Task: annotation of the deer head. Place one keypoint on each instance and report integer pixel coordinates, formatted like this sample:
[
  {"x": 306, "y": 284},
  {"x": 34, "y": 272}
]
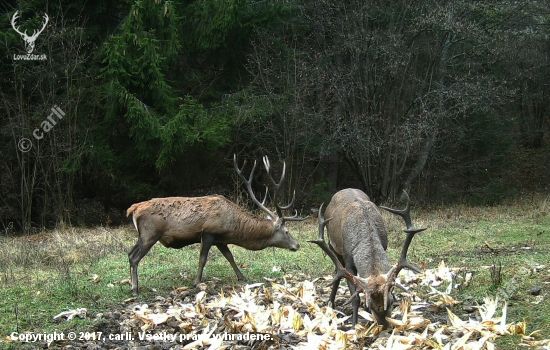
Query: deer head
[
  {"x": 29, "y": 40},
  {"x": 280, "y": 230}
]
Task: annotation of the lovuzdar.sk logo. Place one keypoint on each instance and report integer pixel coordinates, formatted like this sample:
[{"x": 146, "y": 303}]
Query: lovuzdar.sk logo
[{"x": 29, "y": 40}]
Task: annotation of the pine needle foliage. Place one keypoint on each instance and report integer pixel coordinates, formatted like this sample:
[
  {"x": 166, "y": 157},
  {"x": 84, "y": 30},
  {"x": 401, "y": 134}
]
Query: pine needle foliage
[{"x": 135, "y": 70}]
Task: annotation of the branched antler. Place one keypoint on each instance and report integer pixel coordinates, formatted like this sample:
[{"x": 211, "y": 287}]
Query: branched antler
[
  {"x": 403, "y": 262},
  {"x": 248, "y": 184},
  {"x": 277, "y": 186}
]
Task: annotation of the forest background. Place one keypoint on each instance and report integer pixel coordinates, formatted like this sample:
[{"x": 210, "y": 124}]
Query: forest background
[{"x": 446, "y": 99}]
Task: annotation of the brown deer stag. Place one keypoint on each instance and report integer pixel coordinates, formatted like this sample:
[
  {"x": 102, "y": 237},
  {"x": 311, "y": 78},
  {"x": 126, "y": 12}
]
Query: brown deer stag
[
  {"x": 358, "y": 242},
  {"x": 177, "y": 222}
]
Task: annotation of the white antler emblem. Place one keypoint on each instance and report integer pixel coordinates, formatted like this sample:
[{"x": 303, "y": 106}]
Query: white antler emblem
[{"x": 29, "y": 40}]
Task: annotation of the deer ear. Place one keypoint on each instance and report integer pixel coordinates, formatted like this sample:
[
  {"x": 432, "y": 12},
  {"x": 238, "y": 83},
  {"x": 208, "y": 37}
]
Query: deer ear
[{"x": 278, "y": 222}]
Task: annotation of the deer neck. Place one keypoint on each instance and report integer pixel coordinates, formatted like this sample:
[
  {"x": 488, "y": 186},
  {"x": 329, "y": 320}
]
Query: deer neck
[
  {"x": 253, "y": 233},
  {"x": 371, "y": 259}
]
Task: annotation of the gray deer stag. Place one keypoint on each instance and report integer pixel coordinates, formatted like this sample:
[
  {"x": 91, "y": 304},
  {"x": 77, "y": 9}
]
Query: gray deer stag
[
  {"x": 177, "y": 222},
  {"x": 358, "y": 242}
]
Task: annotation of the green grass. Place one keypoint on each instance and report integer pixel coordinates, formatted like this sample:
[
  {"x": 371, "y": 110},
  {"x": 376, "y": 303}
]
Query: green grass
[{"x": 45, "y": 274}]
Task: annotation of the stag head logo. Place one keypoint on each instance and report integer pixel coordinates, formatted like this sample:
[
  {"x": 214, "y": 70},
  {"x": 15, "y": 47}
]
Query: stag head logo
[{"x": 29, "y": 40}]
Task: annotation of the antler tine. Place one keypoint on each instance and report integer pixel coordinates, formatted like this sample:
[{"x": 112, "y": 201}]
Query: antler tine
[
  {"x": 390, "y": 282},
  {"x": 294, "y": 217},
  {"x": 248, "y": 184},
  {"x": 404, "y": 213},
  {"x": 322, "y": 222},
  {"x": 402, "y": 287},
  {"x": 357, "y": 291},
  {"x": 266, "y": 193},
  {"x": 289, "y": 205},
  {"x": 267, "y": 165}
]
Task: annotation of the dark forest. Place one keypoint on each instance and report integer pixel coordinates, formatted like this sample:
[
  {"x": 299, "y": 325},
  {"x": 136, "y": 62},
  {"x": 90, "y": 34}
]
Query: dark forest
[{"x": 123, "y": 101}]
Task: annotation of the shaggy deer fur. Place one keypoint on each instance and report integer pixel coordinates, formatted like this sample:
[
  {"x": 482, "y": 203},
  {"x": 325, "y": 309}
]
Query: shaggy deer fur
[
  {"x": 177, "y": 222},
  {"x": 358, "y": 242}
]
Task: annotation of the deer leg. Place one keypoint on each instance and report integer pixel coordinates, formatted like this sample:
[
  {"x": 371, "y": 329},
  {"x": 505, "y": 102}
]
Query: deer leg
[
  {"x": 336, "y": 281},
  {"x": 136, "y": 254},
  {"x": 356, "y": 300},
  {"x": 334, "y": 290},
  {"x": 227, "y": 253},
  {"x": 207, "y": 241},
  {"x": 355, "y": 303}
]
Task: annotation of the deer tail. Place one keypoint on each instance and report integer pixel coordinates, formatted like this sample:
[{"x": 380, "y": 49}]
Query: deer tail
[{"x": 131, "y": 211}]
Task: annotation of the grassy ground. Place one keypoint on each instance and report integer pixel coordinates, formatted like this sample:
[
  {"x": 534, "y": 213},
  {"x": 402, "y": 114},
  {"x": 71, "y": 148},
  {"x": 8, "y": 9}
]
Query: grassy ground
[{"x": 45, "y": 274}]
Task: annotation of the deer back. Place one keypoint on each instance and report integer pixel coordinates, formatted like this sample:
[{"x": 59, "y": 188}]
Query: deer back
[
  {"x": 180, "y": 221},
  {"x": 357, "y": 232}
]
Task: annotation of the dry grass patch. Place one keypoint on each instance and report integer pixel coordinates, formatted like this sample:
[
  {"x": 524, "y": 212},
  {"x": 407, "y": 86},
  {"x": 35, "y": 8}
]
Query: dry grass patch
[{"x": 62, "y": 246}]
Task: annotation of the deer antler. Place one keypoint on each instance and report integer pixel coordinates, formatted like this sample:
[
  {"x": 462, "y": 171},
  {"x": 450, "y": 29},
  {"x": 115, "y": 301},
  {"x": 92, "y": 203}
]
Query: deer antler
[
  {"x": 277, "y": 187},
  {"x": 403, "y": 262},
  {"x": 248, "y": 184}
]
